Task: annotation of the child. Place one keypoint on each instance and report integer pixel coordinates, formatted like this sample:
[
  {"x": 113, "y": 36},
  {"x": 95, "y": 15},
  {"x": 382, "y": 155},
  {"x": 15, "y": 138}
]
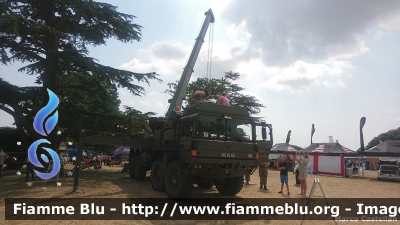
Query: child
[{"x": 284, "y": 174}]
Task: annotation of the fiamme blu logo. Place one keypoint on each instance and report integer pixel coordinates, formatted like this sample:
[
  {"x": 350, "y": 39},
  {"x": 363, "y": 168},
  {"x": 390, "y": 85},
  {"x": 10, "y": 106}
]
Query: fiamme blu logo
[{"x": 44, "y": 122}]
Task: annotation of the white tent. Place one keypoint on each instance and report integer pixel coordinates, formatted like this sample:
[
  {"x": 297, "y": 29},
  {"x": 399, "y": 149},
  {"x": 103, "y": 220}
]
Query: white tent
[{"x": 327, "y": 158}]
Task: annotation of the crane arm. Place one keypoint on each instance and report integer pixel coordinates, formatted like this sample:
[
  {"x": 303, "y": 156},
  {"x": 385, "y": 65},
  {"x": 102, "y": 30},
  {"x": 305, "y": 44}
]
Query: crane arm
[{"x": 189, "y": 68}]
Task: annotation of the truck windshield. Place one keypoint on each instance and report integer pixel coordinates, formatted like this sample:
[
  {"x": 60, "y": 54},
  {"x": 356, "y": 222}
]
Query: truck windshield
[{"x": 216, "y": 127}]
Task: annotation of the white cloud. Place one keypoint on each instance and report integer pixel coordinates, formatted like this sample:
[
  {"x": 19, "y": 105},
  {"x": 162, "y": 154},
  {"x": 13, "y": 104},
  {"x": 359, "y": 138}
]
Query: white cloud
[
  {"x": 391, "y": 22},
  {"x": 312, "y": 30},
  {"x": 165, "y": 58},
  {"x": 303, "y": 76},
  {"x": 341, "y": 83},
  {"x": 253, "y": 94},
  {"x": 153, "y": 104},
  {"x": 153, "y": 93},
  {"x": 145, "y": 102},
  {"x": 296, "y": 52}
]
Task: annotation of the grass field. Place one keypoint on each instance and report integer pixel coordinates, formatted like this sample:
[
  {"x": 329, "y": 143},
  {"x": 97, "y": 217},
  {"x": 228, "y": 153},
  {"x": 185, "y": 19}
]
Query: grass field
[{"x": 110, "y": 182}]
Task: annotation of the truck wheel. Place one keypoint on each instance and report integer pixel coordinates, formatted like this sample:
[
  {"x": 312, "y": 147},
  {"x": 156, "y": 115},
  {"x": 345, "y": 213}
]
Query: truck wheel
[
  {"x": 177, "y": 184},
  {"x": 229, "y": 186},
  {"x": 206, "y": 185},
  {"x": 157, "y": 175},
  {"x": 136, "y": 171}
]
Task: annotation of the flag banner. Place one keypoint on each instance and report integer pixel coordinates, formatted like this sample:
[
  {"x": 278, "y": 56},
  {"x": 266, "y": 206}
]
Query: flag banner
[
  {"x": 288, "y": 137},
  {"x": 362, "y": 123}
]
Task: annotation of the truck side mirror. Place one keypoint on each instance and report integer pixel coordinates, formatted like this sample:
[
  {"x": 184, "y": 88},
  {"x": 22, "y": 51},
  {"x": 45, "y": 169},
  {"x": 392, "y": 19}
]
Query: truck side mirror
[{"x": 264, "y": 133}]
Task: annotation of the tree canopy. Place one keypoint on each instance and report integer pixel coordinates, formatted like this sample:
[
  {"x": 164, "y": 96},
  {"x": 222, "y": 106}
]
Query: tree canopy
[
  {"x": 51, "y": 38},
  {"x": 390, "y": 135},
  {"x": 215, "y": 88}
]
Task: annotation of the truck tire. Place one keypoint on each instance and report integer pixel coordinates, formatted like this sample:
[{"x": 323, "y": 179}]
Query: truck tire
[
  {"x": 177, "y": 185},
  {"x": 157, "y": 175},
  {"x": 229, "y": 186},
  {"x": 205, "y": 185},
  {"x": 136, "y": 171}
]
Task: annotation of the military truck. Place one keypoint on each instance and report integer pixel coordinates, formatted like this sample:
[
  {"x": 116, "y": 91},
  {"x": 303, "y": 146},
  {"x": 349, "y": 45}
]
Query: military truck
[{"x": 205, "y": 144}]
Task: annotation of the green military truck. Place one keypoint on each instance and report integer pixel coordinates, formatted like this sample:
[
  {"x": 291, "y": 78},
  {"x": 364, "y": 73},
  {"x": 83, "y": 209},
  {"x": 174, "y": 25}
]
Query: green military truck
[{"x": 206, "y": 144}]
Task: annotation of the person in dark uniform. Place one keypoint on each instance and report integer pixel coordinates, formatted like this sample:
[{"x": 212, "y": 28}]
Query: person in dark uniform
[{"x": 263, "y": 172}]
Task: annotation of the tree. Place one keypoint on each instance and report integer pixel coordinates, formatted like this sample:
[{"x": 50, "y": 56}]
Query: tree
[
  {"x": 52, "y": 37},
  {"x": 390, "y": 135},
  {"x": 216, "y": 86}
]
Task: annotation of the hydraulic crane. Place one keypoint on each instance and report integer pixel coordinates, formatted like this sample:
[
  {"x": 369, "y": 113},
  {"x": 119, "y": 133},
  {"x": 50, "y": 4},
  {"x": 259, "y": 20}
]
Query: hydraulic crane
[{"x": 176, "y": 101}]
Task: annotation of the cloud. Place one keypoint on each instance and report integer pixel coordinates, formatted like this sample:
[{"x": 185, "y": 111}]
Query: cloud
[
  {"x": 165, "y": 58},
  {"x": 286, "y": 32},
  {"x": 153, "y": 93},
  {"x": 295, "y": 46},
  {"x": 156, "y": 104},
  {"x": 341, "y": 83},
  {"x": 302, "y": 76},
  {"x": 166, "y": 50}
]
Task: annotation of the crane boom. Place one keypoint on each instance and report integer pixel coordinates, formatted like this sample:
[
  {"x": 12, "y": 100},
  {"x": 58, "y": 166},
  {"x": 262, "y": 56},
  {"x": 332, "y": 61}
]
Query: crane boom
[{"x": 189, "y": 68}]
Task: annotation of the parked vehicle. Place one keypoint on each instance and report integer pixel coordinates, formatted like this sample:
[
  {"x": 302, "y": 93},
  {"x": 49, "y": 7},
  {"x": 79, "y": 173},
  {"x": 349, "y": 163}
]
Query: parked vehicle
[
  {"x": 388, "y": 172},
  {"x": 205, "y": 144}
]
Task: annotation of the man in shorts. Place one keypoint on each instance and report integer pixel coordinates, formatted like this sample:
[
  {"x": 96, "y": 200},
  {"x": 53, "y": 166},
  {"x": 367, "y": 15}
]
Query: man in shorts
[{"x": 283, "y": 167}]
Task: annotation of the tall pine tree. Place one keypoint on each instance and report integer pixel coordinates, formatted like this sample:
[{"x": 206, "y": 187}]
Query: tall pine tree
[{"x": 51, "y": 38}]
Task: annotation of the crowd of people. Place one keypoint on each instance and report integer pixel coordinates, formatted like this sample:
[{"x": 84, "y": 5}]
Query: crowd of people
[
  {"x": 97, "y": 161},
  {"x": 201, "y": 96}
]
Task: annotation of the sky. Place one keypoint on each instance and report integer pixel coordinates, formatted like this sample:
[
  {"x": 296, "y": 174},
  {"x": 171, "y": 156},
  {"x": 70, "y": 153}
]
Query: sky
[{"x": 323, "y": 62}]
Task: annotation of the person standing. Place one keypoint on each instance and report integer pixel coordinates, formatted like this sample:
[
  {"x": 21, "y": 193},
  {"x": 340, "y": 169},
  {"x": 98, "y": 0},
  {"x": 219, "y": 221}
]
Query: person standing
[
  {"x": 98, "y": 161},
  {"x": 29, "y": 170},
  {"x": 3, "y": 156},
  {"x": 263, "y": 172},
  {"x": 283, "y": 167},
  {"x": 303, "y": 172}
]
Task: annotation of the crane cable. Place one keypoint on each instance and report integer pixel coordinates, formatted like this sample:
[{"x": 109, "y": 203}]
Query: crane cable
[{"x": 209, "y": 56}]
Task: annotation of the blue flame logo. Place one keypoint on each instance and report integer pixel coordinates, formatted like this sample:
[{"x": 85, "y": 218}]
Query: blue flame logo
[{"x": 44, "y": 128}]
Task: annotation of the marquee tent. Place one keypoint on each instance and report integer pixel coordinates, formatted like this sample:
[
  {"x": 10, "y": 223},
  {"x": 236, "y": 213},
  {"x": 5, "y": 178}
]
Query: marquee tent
[
  {"x": 283, "y": 148},
  {"x": 328, "y": 158},
  {"x": 122, "y": 150},
  {"x": 388, "y": 148}
]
